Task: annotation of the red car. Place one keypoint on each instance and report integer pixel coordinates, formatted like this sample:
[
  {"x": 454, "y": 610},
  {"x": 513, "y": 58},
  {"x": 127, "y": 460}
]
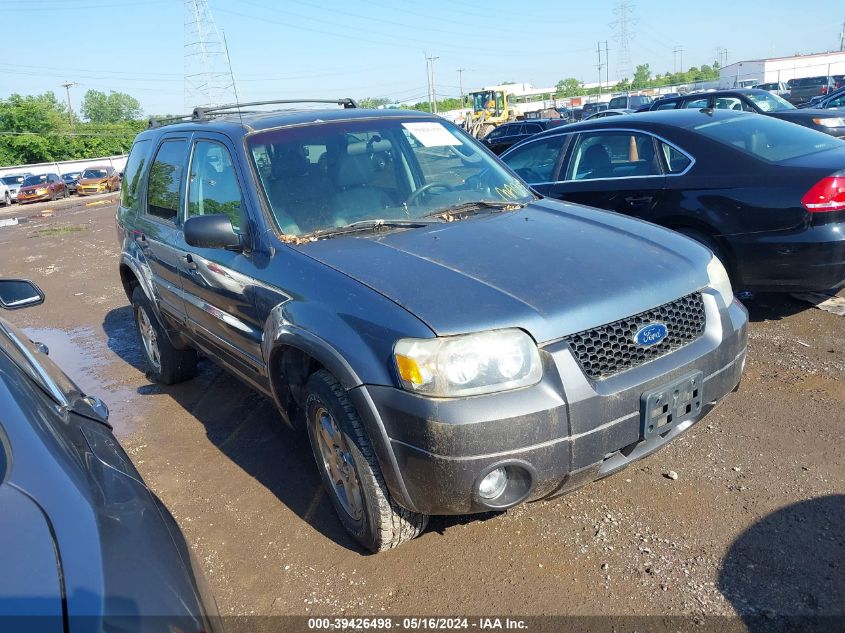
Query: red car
[{"x": 42, "y": 187}]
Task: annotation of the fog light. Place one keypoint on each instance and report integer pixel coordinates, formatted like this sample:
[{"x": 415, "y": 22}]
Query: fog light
[{"x": 493, "y": 484}]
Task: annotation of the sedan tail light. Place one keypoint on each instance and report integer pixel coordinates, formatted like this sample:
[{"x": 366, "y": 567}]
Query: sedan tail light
[{"x": 826, "y": 195}]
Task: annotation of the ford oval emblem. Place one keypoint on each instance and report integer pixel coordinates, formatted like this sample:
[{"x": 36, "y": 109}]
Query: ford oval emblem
[{"x": 651, "y": 334}]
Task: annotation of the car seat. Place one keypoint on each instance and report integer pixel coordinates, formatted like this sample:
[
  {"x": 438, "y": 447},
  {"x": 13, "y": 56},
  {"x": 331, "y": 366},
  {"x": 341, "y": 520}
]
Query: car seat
[
  {"x": 357, "y": 198},
  {"x": 596, "y": 163}
]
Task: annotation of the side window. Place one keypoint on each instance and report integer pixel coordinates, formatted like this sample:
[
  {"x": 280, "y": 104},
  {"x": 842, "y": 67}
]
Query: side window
[
  {"x": 675, "y": 161},
  {"x": 613, "y": 155},
  {"x": 672, "y": 105},
  {"x": 138, "y": 156},
  {"x": 731, "y": 103},
  {"x": 499, "y": 132},
  {"x": 213, "y": 187},
  {"x": 698, "y": 104},
  {"x": 839, "y": 102},
  {"x": 535, "y": 162},
  {"x": 532, "y": 128},
  {"x": 166, "y": 179}
]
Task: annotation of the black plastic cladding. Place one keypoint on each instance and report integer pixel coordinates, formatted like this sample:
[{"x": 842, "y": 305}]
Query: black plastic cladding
[{"x": 610, "y": 349}]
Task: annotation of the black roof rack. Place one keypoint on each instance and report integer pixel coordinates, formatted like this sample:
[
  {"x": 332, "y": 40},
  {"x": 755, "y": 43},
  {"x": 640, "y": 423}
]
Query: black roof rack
[{"x": 202, "y": 113}]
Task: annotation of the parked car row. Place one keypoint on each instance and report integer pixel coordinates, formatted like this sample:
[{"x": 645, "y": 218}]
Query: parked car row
[{"x": 26, "y": 187}]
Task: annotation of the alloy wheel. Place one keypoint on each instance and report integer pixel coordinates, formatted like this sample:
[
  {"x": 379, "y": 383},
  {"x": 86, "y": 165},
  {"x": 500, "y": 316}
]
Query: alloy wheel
[
  {"x": 149, "y": 338},
  {"x": 338, "y": 463}
]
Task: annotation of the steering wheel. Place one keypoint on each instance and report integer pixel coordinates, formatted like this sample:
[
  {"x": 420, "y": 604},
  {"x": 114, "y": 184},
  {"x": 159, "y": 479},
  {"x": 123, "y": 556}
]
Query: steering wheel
[{"x": 412, "y": 199}]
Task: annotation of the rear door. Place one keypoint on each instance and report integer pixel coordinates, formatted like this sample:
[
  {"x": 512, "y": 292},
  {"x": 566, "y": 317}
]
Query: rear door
[
  {"x": 156, "y": 232},
  {"x": 220, "y": 287},
  {"x": 615, "y": 169}
]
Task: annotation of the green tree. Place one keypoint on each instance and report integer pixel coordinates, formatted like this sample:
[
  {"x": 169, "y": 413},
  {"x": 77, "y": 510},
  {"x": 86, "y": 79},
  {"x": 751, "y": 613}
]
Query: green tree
[
  {"x": 373, "y": 102},
  {"x": 642, "y": 77},
  {"x": 99, "y": 107},
  {"x": 569, "y": 87}
]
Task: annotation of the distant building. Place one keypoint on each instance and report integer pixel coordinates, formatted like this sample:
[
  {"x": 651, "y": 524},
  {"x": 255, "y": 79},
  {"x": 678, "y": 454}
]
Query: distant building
[{"x": 755, "y": 71}]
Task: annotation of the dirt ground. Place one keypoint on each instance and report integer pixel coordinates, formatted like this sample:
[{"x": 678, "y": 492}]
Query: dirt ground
[{"x": 752, "y": 524}]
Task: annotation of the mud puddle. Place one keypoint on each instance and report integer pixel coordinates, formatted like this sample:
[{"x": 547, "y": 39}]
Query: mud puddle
[{"x": 84, "y": 357}]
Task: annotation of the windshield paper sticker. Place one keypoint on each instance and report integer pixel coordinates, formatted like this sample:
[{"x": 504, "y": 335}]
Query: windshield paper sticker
[{"x": 432, "y": 134}]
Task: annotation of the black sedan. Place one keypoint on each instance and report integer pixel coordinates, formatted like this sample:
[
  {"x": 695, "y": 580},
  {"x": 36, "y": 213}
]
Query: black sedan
[
  {"x": 510, "y": 134},
  {"x": 84, "y": 544},
  {"x": 71, "y": 180},
  {"x": 761, "y": 102},
  {"x": 766, "y": 196}
]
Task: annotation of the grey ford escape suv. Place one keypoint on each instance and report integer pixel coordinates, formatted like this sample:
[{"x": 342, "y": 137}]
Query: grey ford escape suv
[{"x": 451, "y": 342}]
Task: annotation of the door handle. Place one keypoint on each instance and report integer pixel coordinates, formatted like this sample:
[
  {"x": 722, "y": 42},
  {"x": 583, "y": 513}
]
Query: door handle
[
  {"x": 639, "y": 199},
  {"x": 189, "y": 261},
  {"x": 141, "y": 240}
]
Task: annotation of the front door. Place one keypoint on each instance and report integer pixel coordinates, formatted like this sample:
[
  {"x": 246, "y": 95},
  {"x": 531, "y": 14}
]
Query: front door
[{"x": 220, "y": 287}]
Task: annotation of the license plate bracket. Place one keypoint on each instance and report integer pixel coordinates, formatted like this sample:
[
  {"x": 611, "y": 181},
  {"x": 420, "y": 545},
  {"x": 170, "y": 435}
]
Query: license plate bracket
[{"x": 665, "y": 407}]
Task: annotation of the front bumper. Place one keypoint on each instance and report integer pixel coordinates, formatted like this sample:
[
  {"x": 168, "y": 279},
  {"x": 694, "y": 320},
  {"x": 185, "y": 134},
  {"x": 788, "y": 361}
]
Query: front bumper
[
  {"x": 810, "y": 259},
  {"x": 23, "y": 197},
  {"x": 561, "y": 433}
]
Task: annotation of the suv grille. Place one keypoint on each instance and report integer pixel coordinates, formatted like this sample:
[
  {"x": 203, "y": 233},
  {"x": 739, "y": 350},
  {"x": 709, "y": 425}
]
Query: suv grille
[{"x": 610, "y": 349}]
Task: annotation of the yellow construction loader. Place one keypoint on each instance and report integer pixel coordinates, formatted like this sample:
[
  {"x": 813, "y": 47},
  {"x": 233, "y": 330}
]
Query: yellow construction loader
[{"x": 489, "y": 109}]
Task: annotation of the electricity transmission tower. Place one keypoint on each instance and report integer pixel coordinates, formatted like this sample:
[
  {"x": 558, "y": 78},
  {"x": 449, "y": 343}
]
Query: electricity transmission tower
[
  {"x": 208, "y": 78},
  {"x": 623, "y": 27}
]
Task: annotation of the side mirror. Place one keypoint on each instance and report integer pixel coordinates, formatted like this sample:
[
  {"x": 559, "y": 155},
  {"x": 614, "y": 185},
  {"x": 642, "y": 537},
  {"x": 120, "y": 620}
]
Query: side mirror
[
  {"x": 212, "y": 231},
  {"x": 19, "y": 293}
]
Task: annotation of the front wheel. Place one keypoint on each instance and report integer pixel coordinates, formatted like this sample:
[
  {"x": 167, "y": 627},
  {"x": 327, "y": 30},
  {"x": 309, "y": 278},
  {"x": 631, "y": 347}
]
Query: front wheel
[
  {"x": 350, "y": 471},
  {"x": 167, "y": 365}
]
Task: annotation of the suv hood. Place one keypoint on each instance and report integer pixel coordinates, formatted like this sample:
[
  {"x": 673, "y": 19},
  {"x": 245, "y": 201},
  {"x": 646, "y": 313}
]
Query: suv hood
[{"x": 551, "y": 268}]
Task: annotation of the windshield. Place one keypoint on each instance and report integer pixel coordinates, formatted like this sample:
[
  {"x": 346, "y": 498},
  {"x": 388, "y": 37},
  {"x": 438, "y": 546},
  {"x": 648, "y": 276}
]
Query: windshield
[
  {"x": 768, "y": 102},
  {"x": 71, "y": 176},
  {"x": 94, "y": 173},
  {"x": 333, "y": 174},
  {"x": 12, "y": 180},
  {"x": 767, "y": 138},
  {"x": 34, "y": 180}
]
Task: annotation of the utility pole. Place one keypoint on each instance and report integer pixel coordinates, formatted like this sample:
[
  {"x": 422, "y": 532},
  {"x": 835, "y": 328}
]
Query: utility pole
[
  {"x": 676, "y": 52},
  {"x": 606, "y": 64},
  {"x": 461, "y": 84},
  {"x": 599, "y": 66},
  {"x": 67, "y": 86},
  {"x": 842, "y": 38},
  {"x": 433, "y": 93}
]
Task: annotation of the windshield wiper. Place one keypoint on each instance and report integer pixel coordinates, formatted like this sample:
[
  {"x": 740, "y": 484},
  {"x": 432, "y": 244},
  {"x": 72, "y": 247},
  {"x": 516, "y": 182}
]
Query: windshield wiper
[
  {"x": 464, "y": 209},
  {"x": 363, "y": 226}
]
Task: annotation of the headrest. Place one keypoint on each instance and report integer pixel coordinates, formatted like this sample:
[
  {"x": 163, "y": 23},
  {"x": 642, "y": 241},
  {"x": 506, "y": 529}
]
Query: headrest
[
  {"x": 355, "y": 170},
  {"x": 289, "y": 160}
]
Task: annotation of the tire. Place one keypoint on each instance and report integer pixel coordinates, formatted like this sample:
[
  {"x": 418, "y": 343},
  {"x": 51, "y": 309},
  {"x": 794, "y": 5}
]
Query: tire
[
  {"x": 167, "y": 365},
  {"x": 709, "y": 242},
  {"x": 7, "y": 200},
  {"x": 368, "y": 513}
]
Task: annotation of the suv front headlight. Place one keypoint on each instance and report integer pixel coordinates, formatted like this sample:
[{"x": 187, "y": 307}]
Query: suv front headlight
[
  {"x": 469, "y": 364},
  {"x": 720, "y": 281}
]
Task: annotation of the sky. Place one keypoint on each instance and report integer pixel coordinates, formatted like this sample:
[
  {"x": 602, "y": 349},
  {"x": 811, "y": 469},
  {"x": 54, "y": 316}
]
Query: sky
[{"x": 377, "y": 48}]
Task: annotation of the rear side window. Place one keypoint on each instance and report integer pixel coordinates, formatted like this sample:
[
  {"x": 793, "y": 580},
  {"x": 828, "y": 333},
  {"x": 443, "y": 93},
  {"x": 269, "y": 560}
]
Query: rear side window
[
  {"x": 613, "y": 155},
  {"x": 138, "y": 157},
  {"x": 676, "y": 161},
  {"x": 672, "y": 105},
  {"x": 165, "y": 180},
  {"x": 618, "y": 102}
]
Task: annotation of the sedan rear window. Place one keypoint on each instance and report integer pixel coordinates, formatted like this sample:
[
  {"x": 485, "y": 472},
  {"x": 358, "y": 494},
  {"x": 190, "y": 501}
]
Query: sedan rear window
[{"x": 767, "y": 138}]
